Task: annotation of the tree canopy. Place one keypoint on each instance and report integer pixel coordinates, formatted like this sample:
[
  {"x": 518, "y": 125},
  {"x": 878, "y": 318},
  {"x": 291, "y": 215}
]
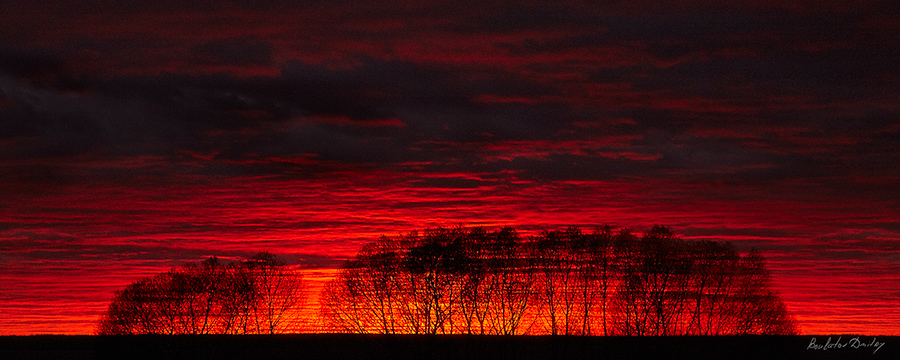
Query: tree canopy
[
  {"x": 566, "y": 282},
  {"x": 459, "y": 280},
  {"x": 259, "y": 295}
]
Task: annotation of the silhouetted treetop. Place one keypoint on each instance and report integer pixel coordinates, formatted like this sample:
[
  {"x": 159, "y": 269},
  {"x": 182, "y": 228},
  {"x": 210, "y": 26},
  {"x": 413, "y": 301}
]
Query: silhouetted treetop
[
  {"x": 568, "y": 282},
  {"x": 458, "y": 280},
  {"x": 259, "y": 295}
]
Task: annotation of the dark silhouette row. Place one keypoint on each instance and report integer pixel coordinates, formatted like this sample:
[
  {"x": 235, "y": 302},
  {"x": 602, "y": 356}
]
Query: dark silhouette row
[
  {"x": 474, "y": 281},
  {"x": 255, "y": 296},
  {"x": 606, "y": 282}
]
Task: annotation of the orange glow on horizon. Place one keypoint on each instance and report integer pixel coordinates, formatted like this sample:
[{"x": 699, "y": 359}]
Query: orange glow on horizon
[{"x": 317, "y": 225}]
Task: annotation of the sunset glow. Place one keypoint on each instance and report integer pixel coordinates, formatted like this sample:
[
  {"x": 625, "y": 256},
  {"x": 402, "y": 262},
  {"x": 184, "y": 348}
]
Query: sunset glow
[{"x": 135, "y": 138}]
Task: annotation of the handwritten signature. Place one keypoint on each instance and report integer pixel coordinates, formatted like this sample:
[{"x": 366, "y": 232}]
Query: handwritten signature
[{"x": 854, "y": 343}]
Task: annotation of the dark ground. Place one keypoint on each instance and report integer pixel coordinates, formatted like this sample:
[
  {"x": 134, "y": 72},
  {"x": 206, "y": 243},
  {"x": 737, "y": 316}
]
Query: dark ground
[{"x": 316, "y": 346}]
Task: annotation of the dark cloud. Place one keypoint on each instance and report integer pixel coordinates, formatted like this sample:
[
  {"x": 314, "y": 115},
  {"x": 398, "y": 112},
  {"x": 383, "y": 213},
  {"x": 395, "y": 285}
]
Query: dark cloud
[
  {"x": 388, "y": 112},
  {"x": 236, "y": 52},
  {"x": 40, "y": 68}
]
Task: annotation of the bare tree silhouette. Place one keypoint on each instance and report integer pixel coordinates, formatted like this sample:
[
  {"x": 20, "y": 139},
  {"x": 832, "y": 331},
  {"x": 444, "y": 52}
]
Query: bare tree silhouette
[
  {"x": 760, "y": 310},
  {"x": 511, "y": 276},
  {"x": 252, "y": 296},
  {"x": 558, "y": 273},
  {"x": 715, "y": 271},
  {"x": 434, "y": 267},
  {"x": 473, "y": 281},
  {"x": 278, "y": 291},
  {"x": 476, "y": 289}
]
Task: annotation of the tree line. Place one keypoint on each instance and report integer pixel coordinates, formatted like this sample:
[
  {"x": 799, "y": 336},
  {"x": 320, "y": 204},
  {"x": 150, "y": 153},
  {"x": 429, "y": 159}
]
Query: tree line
[
  {"x": 259, "y": 295},
  {"x": 475, "y": 281},
  {"x": 569, "y": 282}
]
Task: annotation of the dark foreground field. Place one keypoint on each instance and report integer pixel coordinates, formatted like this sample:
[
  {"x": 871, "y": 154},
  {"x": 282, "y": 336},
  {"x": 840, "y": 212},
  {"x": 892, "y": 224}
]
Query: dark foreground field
[{"x": 446, "y": 347}]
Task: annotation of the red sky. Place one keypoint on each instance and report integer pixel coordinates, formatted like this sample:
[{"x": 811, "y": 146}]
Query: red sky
[{"x": 135, "y": 137}]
